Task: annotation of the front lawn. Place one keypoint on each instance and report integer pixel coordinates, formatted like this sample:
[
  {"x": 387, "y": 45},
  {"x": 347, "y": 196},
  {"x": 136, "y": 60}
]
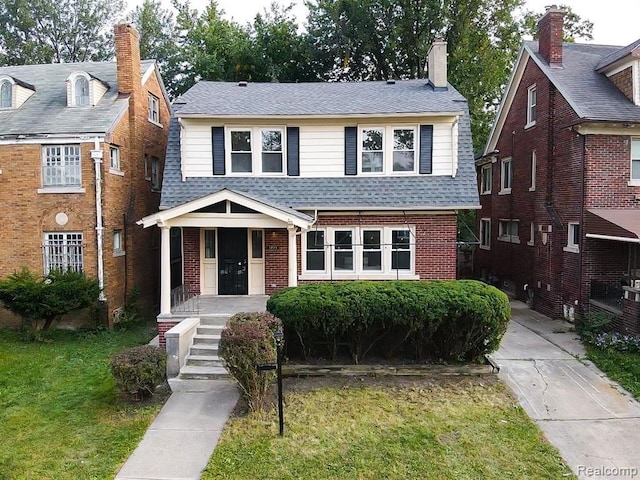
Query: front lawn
[
  {"x": 389, "y": 429},
  {"x": 60, "y": 415},
  {"x": 622, "y": 367}
]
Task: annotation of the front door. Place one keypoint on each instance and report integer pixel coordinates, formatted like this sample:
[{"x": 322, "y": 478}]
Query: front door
[{"x": 232, "y": 258}]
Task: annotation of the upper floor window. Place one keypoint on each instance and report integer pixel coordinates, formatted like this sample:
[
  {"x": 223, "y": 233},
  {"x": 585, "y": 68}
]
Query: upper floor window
[
  {"x": 506, "y": 176},
  {"x": 508, "y": 231},
  {"x": 153, "y": 111},
  {"x": 534, "y": 162},
  {"x": 485, "y": 233},
  {"x": 155, "y": 173},
  {"x": 114, "y": 158},
  {"x": 531, "y": 106},
  {"x": 532, "y": 234},
  {"x": 61, "y": 166},
  {"x": 485, "y": 179},
  {"x": 259, "y": 150},
  {"x": 6, "y": 94},
  {"x": 387, "y": 149},
  {"x": 63, "y": 251},
  {"x": 81, "y": 91},
  {"x": 118, "y": 242},
  {"x": 635, "y": 160},
  {"x": 573, "y": 237}
]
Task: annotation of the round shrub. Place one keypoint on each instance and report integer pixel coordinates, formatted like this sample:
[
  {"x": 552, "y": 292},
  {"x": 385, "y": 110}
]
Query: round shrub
[
  {"x": 444, "y": 320},
  {"x": 139, "y": 370},
  {"x": 247, "y": 341}
]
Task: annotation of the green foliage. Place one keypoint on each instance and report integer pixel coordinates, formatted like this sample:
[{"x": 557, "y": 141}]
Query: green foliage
[
  {"x": 55, "y": 31},
  {"x": 47, "y": 298},
  {"x": 138, "y": 370},
  {"x": 453, "y": 320},
  {"x": 247, "y": 341},
  {"x": 593, "y": 323}
]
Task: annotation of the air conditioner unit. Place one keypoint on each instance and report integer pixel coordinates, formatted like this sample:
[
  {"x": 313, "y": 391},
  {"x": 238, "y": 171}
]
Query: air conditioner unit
[
  {"x": 636, "y": 284},
  {"x": 544, "y": 228}
]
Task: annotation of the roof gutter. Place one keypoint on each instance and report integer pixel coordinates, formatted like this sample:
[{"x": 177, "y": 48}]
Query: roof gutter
[{"x": 332, "y": 116}]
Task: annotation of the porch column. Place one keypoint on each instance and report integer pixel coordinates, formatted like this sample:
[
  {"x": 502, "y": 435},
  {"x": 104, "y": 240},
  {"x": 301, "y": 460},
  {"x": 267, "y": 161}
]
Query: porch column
[
  {"x": 165, "y": 271},
  {"x": 293, "y": 257}
]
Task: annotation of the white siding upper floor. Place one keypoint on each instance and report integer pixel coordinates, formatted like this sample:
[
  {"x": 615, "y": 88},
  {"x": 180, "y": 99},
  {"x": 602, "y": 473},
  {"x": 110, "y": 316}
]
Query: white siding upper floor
[{"x": 382, "y": 146}]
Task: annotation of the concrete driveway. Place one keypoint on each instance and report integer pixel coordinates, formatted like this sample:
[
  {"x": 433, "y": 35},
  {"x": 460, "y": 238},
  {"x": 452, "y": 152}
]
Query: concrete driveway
[{"x": 592, "y": 422}]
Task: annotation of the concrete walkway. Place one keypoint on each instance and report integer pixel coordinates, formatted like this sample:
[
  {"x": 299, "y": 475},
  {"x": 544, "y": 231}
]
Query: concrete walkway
[
  {"x": 181, "y": 439},
  {"x": 592, "y": 422}
]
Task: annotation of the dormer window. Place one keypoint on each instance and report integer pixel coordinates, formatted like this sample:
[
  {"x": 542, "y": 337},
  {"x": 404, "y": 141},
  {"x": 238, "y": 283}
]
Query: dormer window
[
  {"x": 6, "y": 94},
  {"x": 81, "y": 92}
]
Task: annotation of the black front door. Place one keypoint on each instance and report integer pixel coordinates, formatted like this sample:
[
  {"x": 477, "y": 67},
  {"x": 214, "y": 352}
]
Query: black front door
[{"x": 232, "y": 271}]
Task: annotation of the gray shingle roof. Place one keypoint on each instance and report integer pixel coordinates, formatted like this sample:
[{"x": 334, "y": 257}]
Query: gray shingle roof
[
  {"x": 591, "y": 94},
  {"x": 46, "y": 111},
  {"x": 410, "y": 192},
  {"x": 621, "y": 53},
  {"x": 321, "y": 98}
]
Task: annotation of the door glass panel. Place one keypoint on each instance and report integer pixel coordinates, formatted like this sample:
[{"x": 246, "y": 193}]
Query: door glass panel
[
  {"x": 256, "y": 244},
  {"x": 209, "y": 244}
]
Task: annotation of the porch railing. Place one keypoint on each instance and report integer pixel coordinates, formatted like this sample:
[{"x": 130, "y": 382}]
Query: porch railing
[
  {"x": 607, "y": 294},
  {"x": 185, "y": 300}
]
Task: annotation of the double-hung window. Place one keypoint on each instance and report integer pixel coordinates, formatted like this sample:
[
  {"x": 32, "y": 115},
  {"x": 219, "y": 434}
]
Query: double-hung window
[
  {"x": 532, "y": 100},
  {"x": 485, "y": 179},
  {"x": 573, "y": 237},
  {"x": 6, "y": 94},
  {"x": 61, "y": 166},
  {"x": 372, "y": 150},
  {"x": 153, "y": 109},
  {"x": 485, "y": 233},
  {"x": 315, "y": 254},
  {"x": 506, "y": 176},
  {"x": 372, "y": 250},
  {"x": 635, "y": 161},
  {"x": 508, "y": 231},
  {"x": 241, "y": 155},
  {"x": 271, "y": 151},
  {"x": 114, "y": 158},
  {"x": 404, "y": 150},
  {"x": 63, "y": 251},
  {"x": 401, "y": 250},
  {"x": 343, "y": 250},
  {"x": 256, "y": 150}
]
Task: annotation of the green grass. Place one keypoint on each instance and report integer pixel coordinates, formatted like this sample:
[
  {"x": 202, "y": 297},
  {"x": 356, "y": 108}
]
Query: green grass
[
  {"x": 454, "y": 431},
  {"x": 623, "y": 368},
  {"x": 60, "y": 414}
]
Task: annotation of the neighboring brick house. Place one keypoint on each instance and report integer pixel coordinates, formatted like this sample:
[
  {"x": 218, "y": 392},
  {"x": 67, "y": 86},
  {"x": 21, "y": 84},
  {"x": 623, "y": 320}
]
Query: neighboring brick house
[
  {"x": 81, "y": 156},
  {"x": 560, "y": 178},
  {"x": 272, "y": 184}
]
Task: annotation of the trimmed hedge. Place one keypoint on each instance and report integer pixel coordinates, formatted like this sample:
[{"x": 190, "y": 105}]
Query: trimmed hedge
[
  {"x": 246, "y": 341},
  {"x": 138, "y": 370},
  {"x": 459, "y": 320}
]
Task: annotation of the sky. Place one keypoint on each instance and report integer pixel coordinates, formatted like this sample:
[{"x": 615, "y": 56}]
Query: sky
[{"x": 615, "y": 21}]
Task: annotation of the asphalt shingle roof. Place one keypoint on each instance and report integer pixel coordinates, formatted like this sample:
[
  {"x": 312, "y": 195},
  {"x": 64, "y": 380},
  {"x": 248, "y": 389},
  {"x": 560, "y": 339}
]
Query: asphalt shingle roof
[
  {"x": 591, "y": 94},
  {"x": 320, "y": 98},
  {"x": 46, "y": 111}
]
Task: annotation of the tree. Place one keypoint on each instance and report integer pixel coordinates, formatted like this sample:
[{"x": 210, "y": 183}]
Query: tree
[
  {"x": 574, "y": 26},
  {"x": 48, "y": 298},
  {"x": 49, "y": 31}
]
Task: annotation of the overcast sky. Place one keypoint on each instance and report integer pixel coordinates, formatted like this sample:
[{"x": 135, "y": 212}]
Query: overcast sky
[{"x": 615, "y": 21}]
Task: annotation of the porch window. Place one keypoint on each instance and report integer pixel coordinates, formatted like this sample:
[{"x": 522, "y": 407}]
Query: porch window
[
  {"x": 372, "y": 150},
  {"x": 635, "y": 161},
  {"x": 272, "y": 151},
  {"x": 241, "y": 157},
  {"x": 573, "y": 238},
  {"x": 316, "y": 251},
  {"x": 372, "y": 250},
  {"x": 63, "y": 251},
  {"x": 343, "y": 254},
  {"x": 485, "y": 233},
  {"x": 401, "y": 250},
  {"x": 61, "y": 166},
  {"x": 485, "y": 179},
  {"x": 404, "y": 152},
  {"x": 209, "y": 244}
]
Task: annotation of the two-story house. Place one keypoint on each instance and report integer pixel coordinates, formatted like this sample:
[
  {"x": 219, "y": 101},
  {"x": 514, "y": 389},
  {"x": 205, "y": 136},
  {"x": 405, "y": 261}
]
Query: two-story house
[
  {"x": 559, "y": 179},
  {"x": 268, "y": 185},
  {"x": 81, "y": 155}
]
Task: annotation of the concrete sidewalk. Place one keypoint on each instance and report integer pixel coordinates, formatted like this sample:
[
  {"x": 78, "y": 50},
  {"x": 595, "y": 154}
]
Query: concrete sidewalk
[
  {"x": 592, "y": 422},
  {"x": 181, "y": 439}
]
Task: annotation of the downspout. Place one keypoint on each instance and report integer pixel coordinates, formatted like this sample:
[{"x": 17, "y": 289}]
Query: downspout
[
  {"x": 582, "y": 224},
  {"x": 96, "y": 155}
]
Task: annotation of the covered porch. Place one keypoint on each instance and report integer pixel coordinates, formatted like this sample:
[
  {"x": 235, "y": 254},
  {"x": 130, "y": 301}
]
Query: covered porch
[{"x": 224, "y": 246}]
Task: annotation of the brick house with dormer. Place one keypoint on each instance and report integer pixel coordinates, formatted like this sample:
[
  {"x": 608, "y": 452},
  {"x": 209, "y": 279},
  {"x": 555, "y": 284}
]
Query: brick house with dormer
[
  {"x": 559, "y": 179},
  {"x": 270, "y": 185},
  {"x": 81, "y": 156}
]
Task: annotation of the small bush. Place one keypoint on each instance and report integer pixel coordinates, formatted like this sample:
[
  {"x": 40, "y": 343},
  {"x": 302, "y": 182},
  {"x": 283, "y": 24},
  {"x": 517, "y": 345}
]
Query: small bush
[
  {"x": 447, "y": 320},
  {"x": 247, "y": 341},
  {"x": 592, "y": 324},
  {"x": 139, "y": 370}
]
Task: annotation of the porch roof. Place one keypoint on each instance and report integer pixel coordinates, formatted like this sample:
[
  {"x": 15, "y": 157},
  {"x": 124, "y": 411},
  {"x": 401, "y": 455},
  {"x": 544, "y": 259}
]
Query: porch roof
[
  {"x": 622, "y": 225},
  {"x": 287, "y": 215}
]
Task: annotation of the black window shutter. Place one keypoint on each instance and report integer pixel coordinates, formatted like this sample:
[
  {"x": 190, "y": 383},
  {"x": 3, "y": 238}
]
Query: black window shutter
[
  {"x": 217, "y": 149},
  {"x": 350, "y": 150},
  {"x": 426, "y": 148},
  {"x": 293, "y": 151}
]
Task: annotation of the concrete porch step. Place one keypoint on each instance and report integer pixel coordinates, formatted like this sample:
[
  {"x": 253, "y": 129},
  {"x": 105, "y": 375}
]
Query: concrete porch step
[
  {"x": 204, "y": 360},
  {"x": 214, "y": 320},
  {"x": 204, "y": 349},
  {"x": 209, "y": 329},
  {"x": 199, "y": 339},
  {"x": 192, "y": 372}
]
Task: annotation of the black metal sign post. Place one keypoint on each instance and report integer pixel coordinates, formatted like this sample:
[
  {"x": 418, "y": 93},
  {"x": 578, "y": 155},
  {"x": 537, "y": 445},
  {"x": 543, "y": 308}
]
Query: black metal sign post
[{"x": 279, "y": 337}]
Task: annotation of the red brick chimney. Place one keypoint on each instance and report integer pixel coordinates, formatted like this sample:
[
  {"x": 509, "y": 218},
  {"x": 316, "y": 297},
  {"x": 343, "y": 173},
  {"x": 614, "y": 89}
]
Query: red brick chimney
[
  {"x": 550, "y": 35},
  {"x": 127, "y": 42}
]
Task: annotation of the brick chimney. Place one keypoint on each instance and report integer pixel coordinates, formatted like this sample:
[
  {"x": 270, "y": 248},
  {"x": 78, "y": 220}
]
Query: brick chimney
[
  {"x": 127, "y": 42},
  {"x": 550, "y": 36},
  {"x": 437, "y": 64}
]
